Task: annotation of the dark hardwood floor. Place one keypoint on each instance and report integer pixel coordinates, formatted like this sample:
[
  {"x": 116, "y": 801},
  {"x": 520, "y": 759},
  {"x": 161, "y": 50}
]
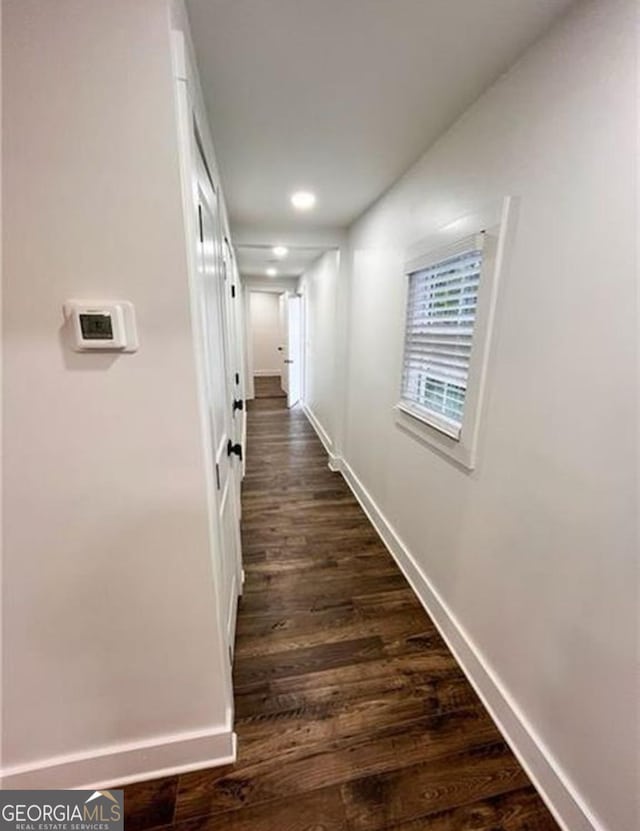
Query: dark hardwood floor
[
  {"x": 351, "y": 713},
  {"x": 268, "y": 386}
]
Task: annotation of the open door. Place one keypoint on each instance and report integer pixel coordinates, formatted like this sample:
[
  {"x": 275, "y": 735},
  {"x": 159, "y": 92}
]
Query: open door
[{"x": 293, "y": 359}]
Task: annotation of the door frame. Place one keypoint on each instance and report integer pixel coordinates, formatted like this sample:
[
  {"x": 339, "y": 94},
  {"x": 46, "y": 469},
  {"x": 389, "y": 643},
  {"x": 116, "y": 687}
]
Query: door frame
[
  {"x": 191, "y": 124},
  {"x": 293, "y": 300},
  {"x": 248, "y": 290},
  {"x": 219, "y": 327},
  {"x": 303, "y": 344}
]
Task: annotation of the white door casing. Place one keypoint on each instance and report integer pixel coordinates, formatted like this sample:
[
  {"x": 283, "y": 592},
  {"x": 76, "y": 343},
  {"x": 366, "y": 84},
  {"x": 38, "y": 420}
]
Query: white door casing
[
  {"x": 284, "y": 345},
  {"x": 293, "y": 361},
  {"x": 212, "y": 301},
  {"x": 198, "y": 192}
]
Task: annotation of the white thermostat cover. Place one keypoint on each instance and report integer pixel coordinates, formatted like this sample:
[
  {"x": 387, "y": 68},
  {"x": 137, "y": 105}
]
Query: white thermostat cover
[{"x": 102, "y": 325}]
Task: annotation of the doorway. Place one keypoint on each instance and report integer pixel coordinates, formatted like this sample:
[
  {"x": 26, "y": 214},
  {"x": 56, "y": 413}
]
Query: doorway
[{"x": 275, "y": 344}]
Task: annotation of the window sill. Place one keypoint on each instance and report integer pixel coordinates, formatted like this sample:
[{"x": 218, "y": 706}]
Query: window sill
[
  {"x": 446, "y": 440},
  {"x": 441, "y": 424}
]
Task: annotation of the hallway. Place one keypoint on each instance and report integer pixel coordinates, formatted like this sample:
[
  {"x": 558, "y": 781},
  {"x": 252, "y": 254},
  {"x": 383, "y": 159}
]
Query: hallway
[
  {"x": 244, "y": 241},
  {"x": 350, "y": 711}
]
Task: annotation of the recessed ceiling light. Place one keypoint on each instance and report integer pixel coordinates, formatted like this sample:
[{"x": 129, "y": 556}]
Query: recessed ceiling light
[
  {"x": 303, "y": 200},
  {"x": 271, "y": 272},
  {"x": 280, "y": 251}
]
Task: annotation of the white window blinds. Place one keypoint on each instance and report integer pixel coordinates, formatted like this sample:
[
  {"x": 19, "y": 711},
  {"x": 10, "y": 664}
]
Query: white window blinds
[{"x": 441, "y": 311}]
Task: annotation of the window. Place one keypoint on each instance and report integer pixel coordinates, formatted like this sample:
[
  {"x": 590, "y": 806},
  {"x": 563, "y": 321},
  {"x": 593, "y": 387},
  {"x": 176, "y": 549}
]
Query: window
[
  {"x": 451, "y": 283},
  {"x": 441, "y": 313}
]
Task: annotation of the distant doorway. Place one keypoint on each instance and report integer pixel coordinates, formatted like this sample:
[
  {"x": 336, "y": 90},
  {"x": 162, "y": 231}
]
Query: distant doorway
[
  {"x": 265, "y": 336},
  {"x": 274, "y": 342}
]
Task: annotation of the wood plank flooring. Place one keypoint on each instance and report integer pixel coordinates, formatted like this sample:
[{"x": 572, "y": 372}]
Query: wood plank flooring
[
  {"x": 268, "y": 386},
  {"x": 351, "y": 713}
]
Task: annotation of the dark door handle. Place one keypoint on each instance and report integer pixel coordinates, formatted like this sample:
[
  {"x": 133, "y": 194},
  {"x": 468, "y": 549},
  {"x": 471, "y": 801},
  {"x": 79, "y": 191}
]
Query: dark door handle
[
  {"x": 234, "y": 448},
  {"x": 288, "y": 361}
]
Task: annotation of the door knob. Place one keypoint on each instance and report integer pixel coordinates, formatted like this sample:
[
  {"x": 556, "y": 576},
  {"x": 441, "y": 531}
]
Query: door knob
[
  {"x": 288, "y": 361},
  {"x": 234, "y": 448}
]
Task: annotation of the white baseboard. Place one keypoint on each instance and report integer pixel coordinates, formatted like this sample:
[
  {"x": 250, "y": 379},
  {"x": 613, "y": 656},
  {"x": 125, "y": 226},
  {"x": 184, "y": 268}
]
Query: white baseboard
[
  {"x": 266, "y": 373},
  {"x": 334, "y": 462},
  {"x": 561, "y": 797},
  {"x": 120, "y": 764}
]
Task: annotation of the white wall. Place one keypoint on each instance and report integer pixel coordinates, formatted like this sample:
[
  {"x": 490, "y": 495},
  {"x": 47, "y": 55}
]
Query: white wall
[
  {"x": 319, "y": 286},
  {"x": 109, "y": 603},
  {"x": 265, "y": 332},
  {"x": 533, "y": 555}
]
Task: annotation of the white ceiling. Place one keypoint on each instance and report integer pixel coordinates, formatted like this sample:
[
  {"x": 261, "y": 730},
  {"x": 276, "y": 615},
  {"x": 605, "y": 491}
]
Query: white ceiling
[
  {"x": 341, "y": 96},
  {"x": 254, "y": 259}
]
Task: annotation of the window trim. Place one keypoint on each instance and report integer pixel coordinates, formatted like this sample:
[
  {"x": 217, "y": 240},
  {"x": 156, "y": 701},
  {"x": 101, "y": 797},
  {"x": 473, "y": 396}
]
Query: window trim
[
  {"x": 460, "y": 444},
  {"x": 472, "y": 242}
]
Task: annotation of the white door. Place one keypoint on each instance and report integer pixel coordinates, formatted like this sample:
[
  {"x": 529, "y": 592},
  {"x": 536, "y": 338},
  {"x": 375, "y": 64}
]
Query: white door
[
  {"x": 283, "y": 349},
  {"x": 293, "y": 360},
  {"x": 214, "y": 333},
  {"x": 235, "y": 340}
]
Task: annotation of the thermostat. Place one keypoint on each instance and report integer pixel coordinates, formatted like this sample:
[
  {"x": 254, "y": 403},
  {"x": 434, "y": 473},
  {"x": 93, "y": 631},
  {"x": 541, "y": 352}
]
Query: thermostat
[{"x": 102, "y": 325}]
